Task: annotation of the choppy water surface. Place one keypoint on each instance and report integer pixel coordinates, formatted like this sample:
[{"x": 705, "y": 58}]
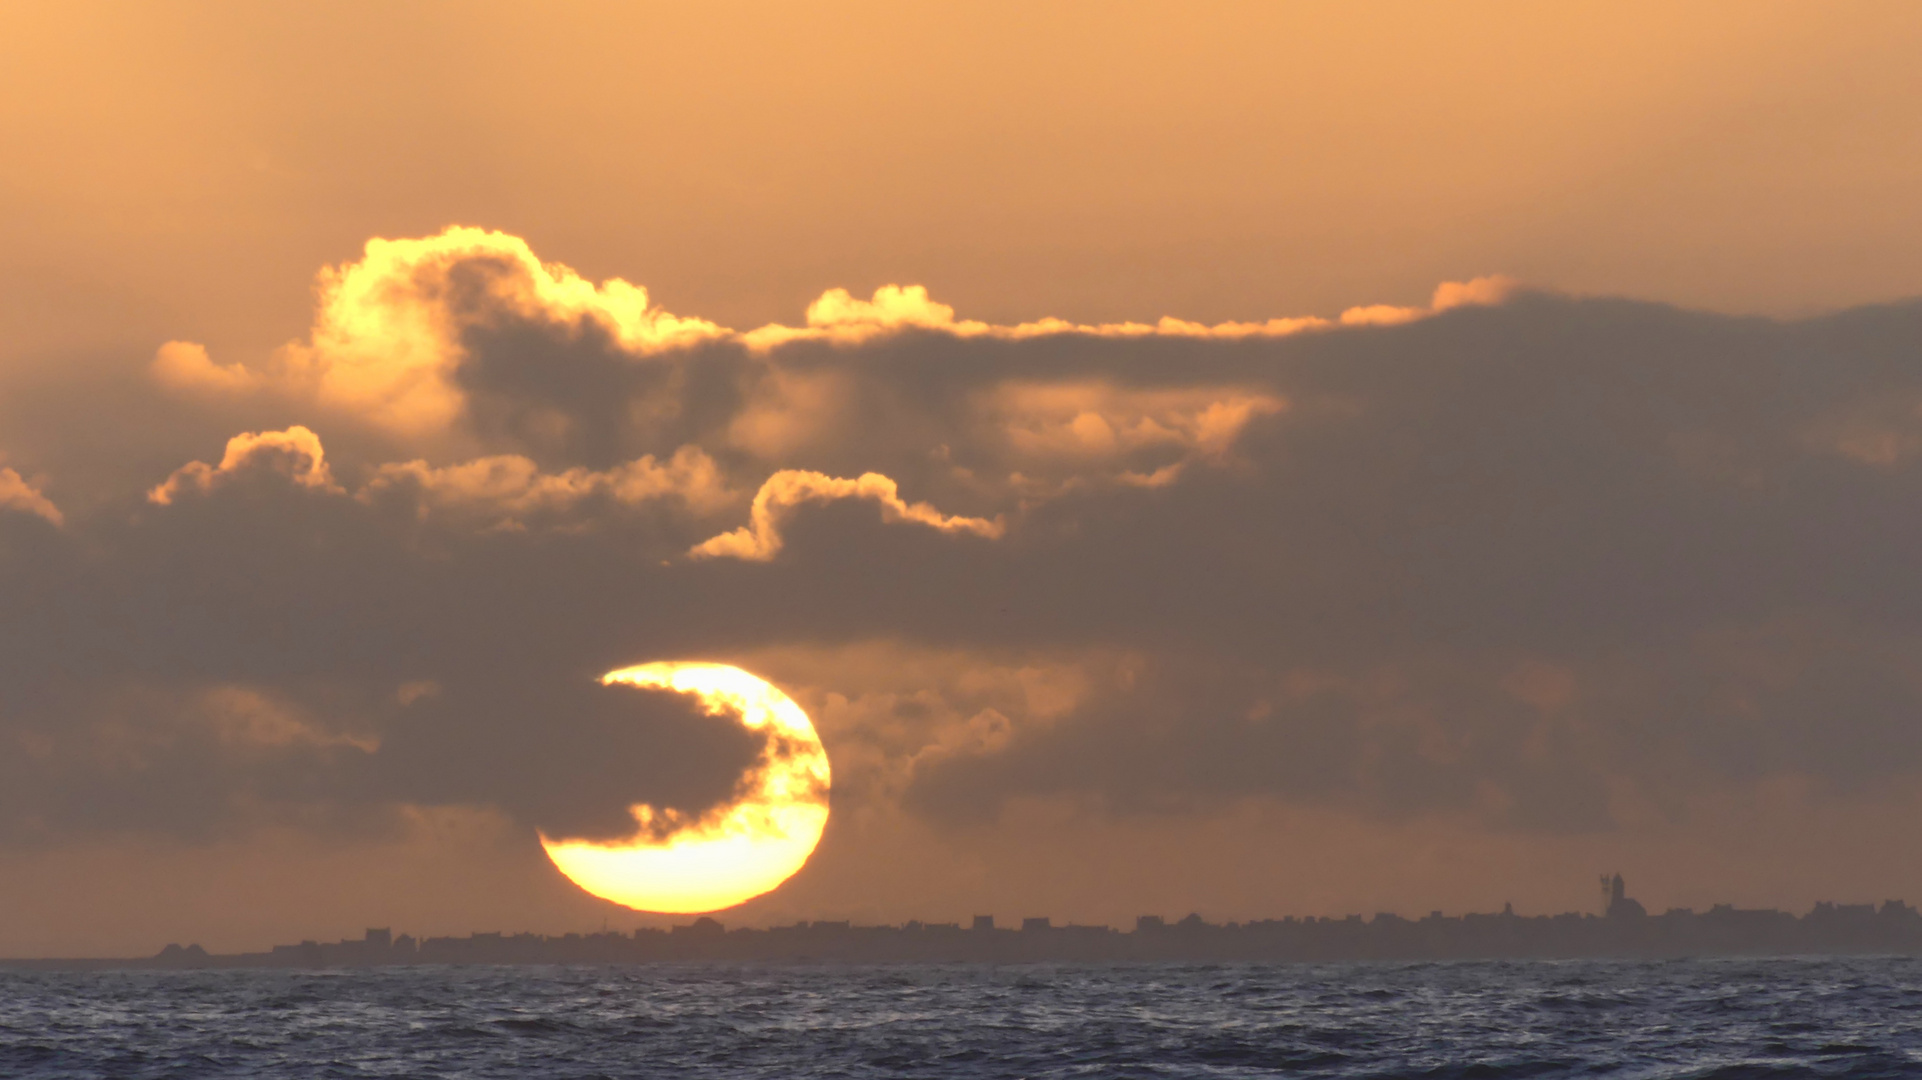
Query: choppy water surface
[{"x": 1715, "y": 1018}]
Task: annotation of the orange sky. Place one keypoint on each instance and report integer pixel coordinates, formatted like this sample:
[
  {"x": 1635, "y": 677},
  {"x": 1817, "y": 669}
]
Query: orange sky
[
  {"x": 1096, "y": 161},
  {"x": 1441, "y": 603}
]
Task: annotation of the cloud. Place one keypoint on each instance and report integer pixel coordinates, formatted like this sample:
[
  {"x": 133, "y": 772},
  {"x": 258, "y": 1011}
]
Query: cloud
[
  {"x": 18, "y": 495},
  {"x": 468, "y": 333},
  {"x": 1143, "y": 436},
  {"x": 504, "y": 490},
  {"x": 194, "y": 762},
  {"x": 390, "y": 332},
  {"x": 1524, "y": 565},
  {"x": 1475, "y": 292},
  {"x": 249, "y": 719},
  {"x": 183, "y": 365},
  {"x": 838, "y": 316},
  {"x": 388, "y": 336},
  {"x": 294, "y": 455},
  {"x": 786, "y": 412},
  {"x": 572, "y": 758},
  {"x": 788, "y": 490}
]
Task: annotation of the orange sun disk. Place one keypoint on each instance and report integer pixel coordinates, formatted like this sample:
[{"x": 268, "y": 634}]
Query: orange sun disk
[{"x": 736, "y": 852}]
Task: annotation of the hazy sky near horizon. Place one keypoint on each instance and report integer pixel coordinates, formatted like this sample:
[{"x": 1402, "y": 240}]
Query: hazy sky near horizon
[{"x": 1562, "y": 520}]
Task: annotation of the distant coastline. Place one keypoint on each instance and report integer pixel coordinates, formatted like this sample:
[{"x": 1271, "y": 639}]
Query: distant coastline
[{"x": 1625, "y": 930}]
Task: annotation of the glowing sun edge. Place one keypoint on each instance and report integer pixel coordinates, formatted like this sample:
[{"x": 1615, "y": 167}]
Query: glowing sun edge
[{"x": 741, "y": 851}]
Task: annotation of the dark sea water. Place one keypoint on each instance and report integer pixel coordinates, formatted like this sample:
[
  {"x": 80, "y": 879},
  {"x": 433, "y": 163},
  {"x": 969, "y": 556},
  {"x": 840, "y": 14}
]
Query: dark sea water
[{"x": 1697, "y": 1018}]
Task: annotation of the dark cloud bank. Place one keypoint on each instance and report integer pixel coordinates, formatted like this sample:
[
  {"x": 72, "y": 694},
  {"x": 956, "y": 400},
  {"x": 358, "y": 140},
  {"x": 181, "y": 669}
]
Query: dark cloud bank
[{"x": 1548, "y": 563}]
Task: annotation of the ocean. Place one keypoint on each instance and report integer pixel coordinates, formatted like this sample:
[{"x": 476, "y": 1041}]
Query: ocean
[{"x": 1852, "y": 1017}]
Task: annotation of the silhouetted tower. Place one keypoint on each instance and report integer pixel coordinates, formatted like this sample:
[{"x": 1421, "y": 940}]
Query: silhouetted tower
[{"x": 1619, "y": 905}]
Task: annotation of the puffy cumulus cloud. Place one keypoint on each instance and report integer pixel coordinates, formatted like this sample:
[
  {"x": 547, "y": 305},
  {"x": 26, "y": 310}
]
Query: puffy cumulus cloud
[
  {"x": 998, "y": 433},
  {"x": 503, "y": 491},
  {"x": 1019, "y": 430},
  {"x": 839, "y": 316},
  {"x": 506, "y": 490},
  {"x": 185, "y": 366},
  {"x": 1148, "y": 435},
  {"x": 391, "y": 330},
  {"x": 294, "y": 455},
  {"x": 1482, "y": 291},
  {"x": 20, "y": 496},
  {"x": 389, "y": 333},
  {"x": 469, "y": 335},
  {"x": 1516, "y": 565},
  {"x": 790, "y": 489},
  {"x": 1475, "y": 292}
]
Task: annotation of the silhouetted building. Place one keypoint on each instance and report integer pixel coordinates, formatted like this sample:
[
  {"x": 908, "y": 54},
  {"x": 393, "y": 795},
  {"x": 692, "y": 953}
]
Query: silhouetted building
[
  {"x": 175, "y": 956},
  {"x": 1619, "y": 904},
  {"x": 1626, "y": 930}
]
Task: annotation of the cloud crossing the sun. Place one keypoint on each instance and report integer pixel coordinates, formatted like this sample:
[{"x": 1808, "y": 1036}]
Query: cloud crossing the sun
[{"x": 1527, "y": 561}]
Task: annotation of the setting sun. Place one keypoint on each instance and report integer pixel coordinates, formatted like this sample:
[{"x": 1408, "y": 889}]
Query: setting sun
[{"x": 735, "y": 852}]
